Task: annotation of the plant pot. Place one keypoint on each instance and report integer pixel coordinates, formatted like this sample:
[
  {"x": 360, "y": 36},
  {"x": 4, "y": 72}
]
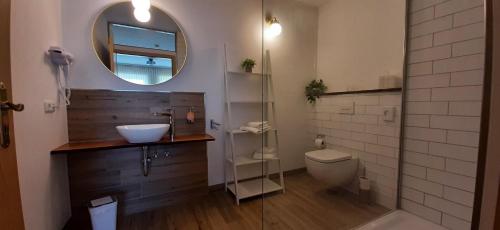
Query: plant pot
[{"x": 248, "y": 69}]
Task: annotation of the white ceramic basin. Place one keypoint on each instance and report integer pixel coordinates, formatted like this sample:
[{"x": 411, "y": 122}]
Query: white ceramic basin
[{"x": 143, "y": 133}]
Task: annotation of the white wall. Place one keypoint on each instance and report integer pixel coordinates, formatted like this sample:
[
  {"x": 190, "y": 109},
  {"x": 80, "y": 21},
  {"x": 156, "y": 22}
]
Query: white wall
[
  {"x": 358, "y": 41},
  {"x": 443, "y": 110},
  {"x": 208, "y": 24},
  {"x": 36, "y": 25}
]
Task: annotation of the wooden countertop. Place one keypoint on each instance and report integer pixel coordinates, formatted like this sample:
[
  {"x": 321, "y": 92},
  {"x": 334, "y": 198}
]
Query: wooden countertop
[{"x": 116, "y": 144}]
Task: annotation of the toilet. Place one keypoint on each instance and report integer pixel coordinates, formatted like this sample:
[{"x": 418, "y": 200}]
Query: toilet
[{"x": 333, "y": 167}]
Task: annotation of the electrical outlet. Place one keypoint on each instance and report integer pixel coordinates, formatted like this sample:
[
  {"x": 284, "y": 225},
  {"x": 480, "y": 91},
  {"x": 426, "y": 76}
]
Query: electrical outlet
[{"x": 49, "y": 106}]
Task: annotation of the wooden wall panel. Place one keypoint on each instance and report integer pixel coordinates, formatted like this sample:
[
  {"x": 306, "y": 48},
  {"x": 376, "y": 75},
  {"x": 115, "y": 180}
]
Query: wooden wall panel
[
  {"x": 94, "y": 114},
  {"x": 179, "y": 176}
]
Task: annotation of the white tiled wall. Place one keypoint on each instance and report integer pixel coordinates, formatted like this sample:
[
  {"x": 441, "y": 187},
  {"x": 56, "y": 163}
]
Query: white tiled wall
[
  {"x": 364, "y": 134},
  {"x": 444, "y": 91}
]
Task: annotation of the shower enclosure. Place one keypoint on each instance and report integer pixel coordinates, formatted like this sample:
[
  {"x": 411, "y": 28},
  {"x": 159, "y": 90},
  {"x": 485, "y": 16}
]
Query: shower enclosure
[{"x": 350, "y": 55}]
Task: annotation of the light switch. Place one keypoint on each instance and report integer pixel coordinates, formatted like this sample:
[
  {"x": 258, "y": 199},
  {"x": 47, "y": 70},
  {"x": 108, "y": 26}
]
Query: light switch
[{"x": 389, "y": 113}]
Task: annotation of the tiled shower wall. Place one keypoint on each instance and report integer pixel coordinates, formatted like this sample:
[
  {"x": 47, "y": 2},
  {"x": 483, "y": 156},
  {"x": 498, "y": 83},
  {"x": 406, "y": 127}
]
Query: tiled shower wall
[
  {"x": 443, "y": 102},
  {"x": 365, "y": 135}
]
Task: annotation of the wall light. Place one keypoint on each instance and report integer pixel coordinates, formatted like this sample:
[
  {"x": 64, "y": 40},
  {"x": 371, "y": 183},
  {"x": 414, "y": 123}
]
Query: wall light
[
  {"x": 142, "y": 15},
  {"x": 141, "y": 11},
  {"x": 273, "y": 28},
  {"x": 141, "y": 4}
]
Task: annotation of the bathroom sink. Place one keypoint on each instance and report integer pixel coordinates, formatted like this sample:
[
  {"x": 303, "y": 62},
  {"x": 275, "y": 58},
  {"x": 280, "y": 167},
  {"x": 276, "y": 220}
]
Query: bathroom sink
[{"x": 143, "y": 133}]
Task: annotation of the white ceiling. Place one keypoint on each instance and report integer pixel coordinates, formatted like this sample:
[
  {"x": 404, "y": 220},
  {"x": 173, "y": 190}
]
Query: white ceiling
[{"x": 314, "y": 2}]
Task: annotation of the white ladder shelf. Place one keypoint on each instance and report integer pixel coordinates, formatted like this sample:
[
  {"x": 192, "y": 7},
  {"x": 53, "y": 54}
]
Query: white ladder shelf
[{"x": 262, "y": 184}]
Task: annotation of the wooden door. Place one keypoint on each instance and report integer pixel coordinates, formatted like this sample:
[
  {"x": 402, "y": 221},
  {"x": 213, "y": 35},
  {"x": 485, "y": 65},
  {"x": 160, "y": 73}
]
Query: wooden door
[{"x": 11, "y": 216}]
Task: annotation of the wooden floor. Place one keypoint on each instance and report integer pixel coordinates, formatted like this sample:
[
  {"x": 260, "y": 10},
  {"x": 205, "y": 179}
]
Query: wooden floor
[{"x": 307, "y": 204}]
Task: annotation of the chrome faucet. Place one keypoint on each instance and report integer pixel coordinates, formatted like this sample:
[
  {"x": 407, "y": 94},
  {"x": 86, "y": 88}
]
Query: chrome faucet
[{"x": 170, "y": 113}]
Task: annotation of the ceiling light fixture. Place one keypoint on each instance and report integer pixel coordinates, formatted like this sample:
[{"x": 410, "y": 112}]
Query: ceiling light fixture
[{"x": 274, "y": 28}]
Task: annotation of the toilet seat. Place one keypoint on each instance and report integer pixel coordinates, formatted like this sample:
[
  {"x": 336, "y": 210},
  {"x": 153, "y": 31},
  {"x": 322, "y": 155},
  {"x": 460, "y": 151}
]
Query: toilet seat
[{"x": 328, "y": 156}]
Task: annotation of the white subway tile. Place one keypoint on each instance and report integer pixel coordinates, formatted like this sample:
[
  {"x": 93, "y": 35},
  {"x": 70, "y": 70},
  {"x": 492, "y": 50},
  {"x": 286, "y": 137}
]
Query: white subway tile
[
  {"x": 424, "y": 160},
  {"x": 365, "y": 119},
  {"x": 390, "y": 162},
  {"x": 463, "y": 138},
  {"x": 461, "y": 167},
  {"x": 417, "y": 5},
  {"x": 427, "y": 108},
  {"x": 413, "y": 195},
  {"x": 360, "y": 109},
  {"x": 431, "y": 81},
  {"x": 463, "y": 93},
  {"x": 451, "y": 179},
  {"x": 430, "y": 54},
  {"x": 448, "y": 207},
  {"x": 475, "y": 46},
  {"x": 370, "y": 157},
  {"x": 390, "y": 99},
  {"x": 459, "y": 196},
  {"x": 414, "y": 170},
  {"x": 465, "y": 108},
  {"x": 423, "y": 185},
  {"x": 453, "y": 151},
  {"x": 340, "y": 117},
  {"x": 381, "y": 130},
  {"x": 455, "y": 123},
  {"x": 421, "y": 42},
  {"x": 366, "y": 100},
  {"x": 379, "y": 149},
  {"x": 454, "y": 223},
  {"x": 455, "y": 64},
  {"x": 416, "y": 146},
  {"x": 422, "y": 16},
  {"x": 418, "y": 94},
  {"x": 468, "y": 17},
  {"x": 323, "y": 116},
  {"x": 472, "y": 77},
  {"x": 418, "y": 69},
  {"x": 417, "y": 120},
  {"x": 388, "y": 141},
  {"x": 420, "y": 210},
  {"x": 426, "y": 134},
  {"x": 340, "y": 133},
  {"x": 381, "y": 170},
  {"x": 349, "y": 144},
  {"x": 468, "y": 32},
  {"x": 374, "y": 109},
  {"x": 364, "y": 137},
  {"x": 454, "y": 6},
  {"x": 438, "y": 24}
]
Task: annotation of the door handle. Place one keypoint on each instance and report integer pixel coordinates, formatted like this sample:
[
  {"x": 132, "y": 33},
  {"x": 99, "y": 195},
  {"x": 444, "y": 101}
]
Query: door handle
[{"x": 5, "y": 107}]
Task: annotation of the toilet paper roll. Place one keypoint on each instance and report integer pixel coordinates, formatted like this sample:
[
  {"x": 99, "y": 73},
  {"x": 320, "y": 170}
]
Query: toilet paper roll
[
  {"x": 364, "y": 183},
  {"x": 319, "y": 142}
]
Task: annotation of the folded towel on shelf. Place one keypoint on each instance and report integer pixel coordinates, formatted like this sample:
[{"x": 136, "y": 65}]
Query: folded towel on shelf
[
  {"x": 266, "y": 150},
  {"x": 255, "y": 130},
  {"x": 265, "y": 153},
  {"x": 257, "y": 124},
  {"x": 264, "y": 156}
]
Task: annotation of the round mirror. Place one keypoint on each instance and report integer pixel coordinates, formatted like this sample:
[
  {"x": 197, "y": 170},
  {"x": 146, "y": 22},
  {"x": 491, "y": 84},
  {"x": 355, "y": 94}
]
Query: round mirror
[{"x": 141, "y": 46}]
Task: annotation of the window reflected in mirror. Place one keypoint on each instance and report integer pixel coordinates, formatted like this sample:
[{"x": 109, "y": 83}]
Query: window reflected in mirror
[{"x": 141, "y": 53}]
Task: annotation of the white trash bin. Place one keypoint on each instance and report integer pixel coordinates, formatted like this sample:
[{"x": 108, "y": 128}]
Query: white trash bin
[{"x": 103, "y": 213}]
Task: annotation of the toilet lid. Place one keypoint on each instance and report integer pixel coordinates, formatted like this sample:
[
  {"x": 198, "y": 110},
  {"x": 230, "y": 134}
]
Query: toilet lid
[{"x": 328, "y": 156}]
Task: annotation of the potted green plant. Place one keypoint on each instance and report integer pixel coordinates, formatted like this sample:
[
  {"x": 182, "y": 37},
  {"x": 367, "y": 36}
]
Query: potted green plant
[
  {"x": 314, "y": 90},
  {"x": 248, "y": 65}
]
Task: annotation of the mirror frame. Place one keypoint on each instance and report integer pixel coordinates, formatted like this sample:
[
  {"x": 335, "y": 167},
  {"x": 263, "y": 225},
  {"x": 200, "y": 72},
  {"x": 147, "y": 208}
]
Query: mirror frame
[{"x": 100, "y": 12}]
